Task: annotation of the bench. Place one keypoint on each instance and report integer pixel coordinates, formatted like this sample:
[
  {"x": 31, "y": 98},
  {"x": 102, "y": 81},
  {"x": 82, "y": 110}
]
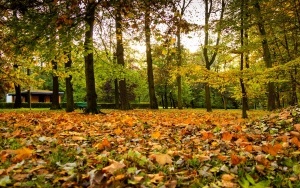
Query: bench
[{"x": 83, "y": 105}]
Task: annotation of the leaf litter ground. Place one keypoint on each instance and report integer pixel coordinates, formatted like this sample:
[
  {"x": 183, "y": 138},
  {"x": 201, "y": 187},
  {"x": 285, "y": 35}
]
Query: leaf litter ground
[{"x": 144, "y": 148}]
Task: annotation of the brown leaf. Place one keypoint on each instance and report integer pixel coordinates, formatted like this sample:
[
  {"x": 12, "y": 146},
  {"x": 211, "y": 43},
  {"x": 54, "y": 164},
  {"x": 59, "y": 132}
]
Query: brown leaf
[{"x": 20, "y": 177}]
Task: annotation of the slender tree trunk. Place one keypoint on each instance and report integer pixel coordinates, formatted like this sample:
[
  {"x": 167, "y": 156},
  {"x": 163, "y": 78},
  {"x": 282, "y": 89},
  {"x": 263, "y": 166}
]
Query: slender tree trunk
[
  {"x": 266, "y": 55},
  {"x": 166, "y": 97},
  {"x": 179, "y": 64},
  {"x": 69, "y": 87},
  {"x": 210, "y": 60},
  {"x": 244, "y": 94},
  {"x": 55, "y": 85},
  {"x": 120, "y": 59},
  {"x": 153, "y": 100},
  {"x": 18, "y": 99},
  {"x": 117, "y": 94},
  {"x": 91, "y": 95}
]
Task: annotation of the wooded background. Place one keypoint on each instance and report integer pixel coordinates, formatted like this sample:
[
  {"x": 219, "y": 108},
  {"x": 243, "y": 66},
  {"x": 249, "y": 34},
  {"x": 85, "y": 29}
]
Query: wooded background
[{"x": 248, "y": 57}]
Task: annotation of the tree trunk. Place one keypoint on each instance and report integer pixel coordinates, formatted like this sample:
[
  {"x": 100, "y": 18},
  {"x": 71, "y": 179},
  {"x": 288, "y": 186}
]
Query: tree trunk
[
  {"x": 117, "y": 94},
  {"x": 18, "y": 99},
  {"x": 153, "y": 100},
  {"x": 266, "y": 56},
  {"x": 166, "y": 97},
  {"x": 124, "y": 102},
  {"x": 211, "y": 60},
  {"x": 179, "y": 64},
  {"x": 69, "y": 87},
  {"x": 91, "y": 95},
  {"x": 55, "y": 88},
  {"x": 244, "y": 93},
  {"x": 29, "y": 92}
]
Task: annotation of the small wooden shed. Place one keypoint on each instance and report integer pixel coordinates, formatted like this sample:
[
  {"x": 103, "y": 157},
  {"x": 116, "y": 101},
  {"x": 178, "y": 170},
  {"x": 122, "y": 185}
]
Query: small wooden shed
[{"x": 36, "y": 96}]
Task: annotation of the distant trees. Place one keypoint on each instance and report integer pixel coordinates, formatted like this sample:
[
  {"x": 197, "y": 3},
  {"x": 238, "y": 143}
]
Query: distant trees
[{"x": 248, "y": 56}]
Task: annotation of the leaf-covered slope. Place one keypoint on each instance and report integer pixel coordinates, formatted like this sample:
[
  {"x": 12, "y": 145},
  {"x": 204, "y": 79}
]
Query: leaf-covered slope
[{"x": 150, "y": 148}]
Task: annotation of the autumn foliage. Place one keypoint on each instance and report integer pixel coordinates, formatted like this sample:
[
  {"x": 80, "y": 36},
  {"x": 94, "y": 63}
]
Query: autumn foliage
[{"x": 150, "y": 148}]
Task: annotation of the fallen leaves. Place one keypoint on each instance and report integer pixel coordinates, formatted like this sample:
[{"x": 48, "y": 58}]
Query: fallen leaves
[{"x": 139, "y": 148}]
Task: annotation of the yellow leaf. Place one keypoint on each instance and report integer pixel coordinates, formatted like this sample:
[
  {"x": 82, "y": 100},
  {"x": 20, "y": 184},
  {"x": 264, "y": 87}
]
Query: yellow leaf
[
  {"x": 156, "y": 135},
  {"x": 22, "y": 154},
  {"x": 118, "y": 131}
]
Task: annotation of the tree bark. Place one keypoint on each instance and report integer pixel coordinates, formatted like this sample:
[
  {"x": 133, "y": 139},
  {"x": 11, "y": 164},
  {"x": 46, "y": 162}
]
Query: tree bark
[
  {"x": 153, "y": 99},
  {"x": 69, "y": 87},
  {"x": 124, "y": 102},
  {"x": 91, "y": 95},
  {"x": 55, "y": 88},
  {"x": 266, "y": 55}
]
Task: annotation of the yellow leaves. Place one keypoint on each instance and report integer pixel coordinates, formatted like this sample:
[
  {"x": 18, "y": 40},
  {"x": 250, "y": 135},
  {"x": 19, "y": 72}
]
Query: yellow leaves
[{"x": 161, "y": 159}]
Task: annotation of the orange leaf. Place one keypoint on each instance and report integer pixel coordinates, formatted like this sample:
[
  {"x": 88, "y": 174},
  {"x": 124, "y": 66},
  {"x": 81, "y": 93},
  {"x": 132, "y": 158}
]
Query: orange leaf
[
  {"x": 262, "y": 160},
  {"x": 227, "y": 136},
  {"x": 235, "y": 160},
  {"x": 118, "y": 131},
  {"x": 222, "y": 157},
  {"x": 227, "y": 177},
  {"x": 295, "y": 141},
  {"x": 272, "y": 150},
  {"x": 206, "y": 135},
  {"x": 249, "y": 148},
  {"x": 102, "y": 145}
]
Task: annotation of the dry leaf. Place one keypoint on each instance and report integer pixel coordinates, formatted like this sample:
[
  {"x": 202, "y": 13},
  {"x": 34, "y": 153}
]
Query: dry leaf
[
  {"x": 227, "y": 177},
  {"x": 161, "y": 159},
  {"x": 297, "y": 127},
  {"x": 227, "y": 136},
  {"x": 156, "y": 178},
  {"x": 113, "y": 167}
]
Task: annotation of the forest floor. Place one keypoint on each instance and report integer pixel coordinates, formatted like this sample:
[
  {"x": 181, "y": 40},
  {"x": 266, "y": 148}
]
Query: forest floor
[{"x": 147, "y": 148}]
